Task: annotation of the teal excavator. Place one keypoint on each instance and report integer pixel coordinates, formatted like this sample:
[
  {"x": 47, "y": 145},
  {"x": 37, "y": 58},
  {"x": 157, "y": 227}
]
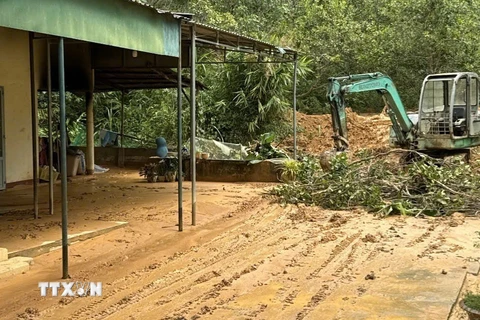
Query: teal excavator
[{"x": 447, "y": 121}]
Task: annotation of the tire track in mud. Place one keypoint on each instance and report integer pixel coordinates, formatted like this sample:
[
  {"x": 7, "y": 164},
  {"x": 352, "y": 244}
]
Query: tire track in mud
[
  {"x": 134, "y": 276},
  {"x": 211, "y": 294},
  {"x": 297, "y": 264},
  {"x": 321, "y": 295},
  {"x": 152, "y": 289},
  {"x": 424, "y": 236},
  {"x": 157, "y": 285},
  {"x": 215, "y": 292},
  {"x": 435, "y": 244},
  {"x": 290, "y": 298},
  {"x": 310, "y": 241},
  {"x": 418, "y": 240},
  {"x": 314, "y": 237},
  {"x": 304, "y": 254},
  {"x": 351, "y": 242},
  {"x": 137, "y": 275},
  {"x": 358, "y": 255},
  {"x": 238, "y": 239},
  {"x": 350, "y": 260},
  {"x": 339, "y": 248}
]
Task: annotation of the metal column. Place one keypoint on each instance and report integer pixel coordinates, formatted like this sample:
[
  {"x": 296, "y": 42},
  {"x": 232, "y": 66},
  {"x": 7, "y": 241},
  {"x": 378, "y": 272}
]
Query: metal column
[
  {"x": 63, "y": 152},
  {"x": 90, "y": 154},
  {"x": 50, "y": 129},
  {"x": 33, "y": 96},
  {"x": 121, "y": 155},
  {"x": 193, "y": 125},
  {"x": 179, "y": 131},
  {"x": 295, "y": 66}
]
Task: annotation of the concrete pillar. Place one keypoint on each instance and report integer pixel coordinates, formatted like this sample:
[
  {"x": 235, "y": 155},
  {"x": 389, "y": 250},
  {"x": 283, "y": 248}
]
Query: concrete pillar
[{"x": 90, "y": 156}]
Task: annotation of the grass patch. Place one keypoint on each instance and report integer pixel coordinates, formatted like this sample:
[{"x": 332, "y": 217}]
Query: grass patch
[{"x": 472, "y": 301}]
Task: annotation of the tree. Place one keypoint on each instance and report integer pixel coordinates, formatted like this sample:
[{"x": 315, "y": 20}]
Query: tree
[{"x": 405, "y": 39}]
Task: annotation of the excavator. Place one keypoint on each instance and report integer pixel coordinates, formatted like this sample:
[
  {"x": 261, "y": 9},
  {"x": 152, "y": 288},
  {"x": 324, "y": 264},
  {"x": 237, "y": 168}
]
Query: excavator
[{"x": 447, "y": 122}]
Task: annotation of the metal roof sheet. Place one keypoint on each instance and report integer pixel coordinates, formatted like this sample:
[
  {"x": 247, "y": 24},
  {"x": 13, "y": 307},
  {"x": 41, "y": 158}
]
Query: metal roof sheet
[
  {"x": 145, "y": 5},
  {"x": 233, "y": 39},
  {"x": 160, "y": 11},
  {"x": 216, "y": 36}
]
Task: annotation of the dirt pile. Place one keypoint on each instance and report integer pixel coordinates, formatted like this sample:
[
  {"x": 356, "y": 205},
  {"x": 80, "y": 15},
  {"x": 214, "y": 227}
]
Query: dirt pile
[{"x": 364, "y": 132}]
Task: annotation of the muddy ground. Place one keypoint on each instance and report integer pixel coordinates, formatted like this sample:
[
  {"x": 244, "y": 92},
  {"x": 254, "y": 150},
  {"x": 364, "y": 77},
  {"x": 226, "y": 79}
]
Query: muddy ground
[{"x": 248, "y": 258}]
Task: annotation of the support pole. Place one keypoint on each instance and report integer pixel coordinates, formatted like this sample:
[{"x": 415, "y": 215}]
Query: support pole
[
  {"x": 295, "y": 66},
  {"x": 179, "y": 131},
  {"x": 193, "y": 125},
  {"x": 121, "y": 155},
  {"x": 90, "y": 156},
  {"x": 50, "y": 129},
  {"x": 33, "y": 98},
  {"x": 63, "y": 152}
]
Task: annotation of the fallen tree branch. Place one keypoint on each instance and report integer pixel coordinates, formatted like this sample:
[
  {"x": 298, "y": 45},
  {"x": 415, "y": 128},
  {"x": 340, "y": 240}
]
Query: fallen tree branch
[{"x": 382, "y": 185}]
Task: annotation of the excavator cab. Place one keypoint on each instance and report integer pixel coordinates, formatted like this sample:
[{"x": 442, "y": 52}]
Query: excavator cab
[{"x": 448, "y": 111}]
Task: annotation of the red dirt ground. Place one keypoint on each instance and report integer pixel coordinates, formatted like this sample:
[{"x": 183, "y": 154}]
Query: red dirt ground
[
  {"x": 247, "y": 258},
  {"x": 364, "y": 132}
]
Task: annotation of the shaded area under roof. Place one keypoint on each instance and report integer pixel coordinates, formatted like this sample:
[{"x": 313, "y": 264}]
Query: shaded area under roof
[
  {"x": 115, "y": 69},
  {"x": 119, "y": 67},
  {"x": 113, "y": 79}
]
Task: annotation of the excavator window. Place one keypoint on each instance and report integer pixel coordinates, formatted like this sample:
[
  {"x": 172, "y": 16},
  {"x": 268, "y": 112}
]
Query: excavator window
[
  {"x": 436, "y": 102},
  {"x": 435, "y": 97},
  {"x": 461, "y": 93},
  {"x": 474, "y": 95}
]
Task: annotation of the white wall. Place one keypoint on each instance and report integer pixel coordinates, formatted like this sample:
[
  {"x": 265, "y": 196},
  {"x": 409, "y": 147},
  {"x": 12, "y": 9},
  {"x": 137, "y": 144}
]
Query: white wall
[{"x": 15, "y": 79}]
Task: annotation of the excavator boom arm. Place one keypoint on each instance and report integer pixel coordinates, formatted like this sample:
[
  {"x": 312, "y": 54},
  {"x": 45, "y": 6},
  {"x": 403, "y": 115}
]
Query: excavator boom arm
[{"x": 402, "y": 124}]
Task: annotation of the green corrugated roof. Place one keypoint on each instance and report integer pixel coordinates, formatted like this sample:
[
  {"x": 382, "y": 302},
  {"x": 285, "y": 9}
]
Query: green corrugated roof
[{"x": 125, "y": 24}]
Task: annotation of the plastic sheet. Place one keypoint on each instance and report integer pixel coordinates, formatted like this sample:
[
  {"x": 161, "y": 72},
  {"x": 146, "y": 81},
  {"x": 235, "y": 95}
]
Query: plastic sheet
[{"x": 220, "y": 150}]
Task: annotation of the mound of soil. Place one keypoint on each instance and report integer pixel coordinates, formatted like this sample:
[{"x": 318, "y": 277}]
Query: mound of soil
[{"x": 364, "y": 132}]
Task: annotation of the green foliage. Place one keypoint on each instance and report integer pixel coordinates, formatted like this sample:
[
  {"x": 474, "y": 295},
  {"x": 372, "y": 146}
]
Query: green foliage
[
  {"x": 264, "y": 149},
  {"x": 148, "y": 114},
  {"x": 267, "y": 138},
  {"x": 244, "y": 100},
  {"x": 472, "y": 300},
  {"x": 289, "y": 170},
  {"x": 477, "y": 243},
  {"x": 405, "y": 39},
  {"x": 241, "y": 102},
  {"x": 167, "y": 168},
  {"x": 384, "y": 187}
]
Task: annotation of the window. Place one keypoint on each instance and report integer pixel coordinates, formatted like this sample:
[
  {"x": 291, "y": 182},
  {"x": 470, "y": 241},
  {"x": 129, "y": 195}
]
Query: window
[
  {"x": 461, "y": 92},
  {"x": 434, "y": 96},
  {"x": 474, "y": 92}
]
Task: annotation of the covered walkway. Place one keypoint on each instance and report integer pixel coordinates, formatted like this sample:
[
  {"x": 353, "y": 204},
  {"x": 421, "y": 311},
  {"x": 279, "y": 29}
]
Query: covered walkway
[{"x": 116, "y": 45}]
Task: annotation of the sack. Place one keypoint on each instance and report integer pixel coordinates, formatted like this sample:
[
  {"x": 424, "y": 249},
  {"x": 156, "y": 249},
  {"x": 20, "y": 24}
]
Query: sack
[{"x": 44, "y": 173}]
